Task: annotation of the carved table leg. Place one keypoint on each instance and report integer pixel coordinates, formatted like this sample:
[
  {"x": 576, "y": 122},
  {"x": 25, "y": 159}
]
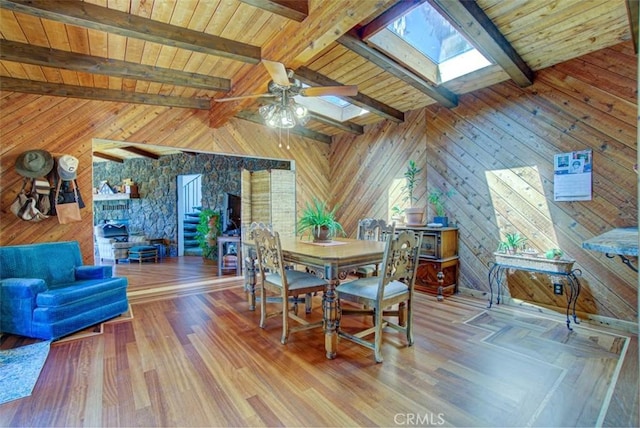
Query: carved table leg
[
  {"x": 250, "y": 282},
  {"x": 331, "y": 313}
]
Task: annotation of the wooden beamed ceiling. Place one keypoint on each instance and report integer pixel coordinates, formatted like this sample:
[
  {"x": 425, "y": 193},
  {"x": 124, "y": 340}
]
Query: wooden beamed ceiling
[
  {"x": 47, "y": 57},
  {"x": 124, "y": 24},
  {"x": 318, "y": 36}
]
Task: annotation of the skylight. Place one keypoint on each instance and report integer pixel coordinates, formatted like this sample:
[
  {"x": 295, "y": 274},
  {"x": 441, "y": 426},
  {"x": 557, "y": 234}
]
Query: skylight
[
  {"x": 428, "y": 44},
  {"x": 330, "y": 106}
]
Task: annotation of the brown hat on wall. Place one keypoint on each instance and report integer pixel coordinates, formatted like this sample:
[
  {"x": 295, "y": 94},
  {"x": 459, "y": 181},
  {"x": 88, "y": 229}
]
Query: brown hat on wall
[{"x": 34, "y": 163}]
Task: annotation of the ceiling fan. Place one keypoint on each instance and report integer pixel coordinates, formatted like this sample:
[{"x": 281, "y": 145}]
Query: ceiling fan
[{"x": 284, "y": 85}]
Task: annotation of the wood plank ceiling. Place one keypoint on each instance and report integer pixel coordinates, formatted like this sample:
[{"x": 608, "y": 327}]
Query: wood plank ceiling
[{"x": 185, "y": 53}]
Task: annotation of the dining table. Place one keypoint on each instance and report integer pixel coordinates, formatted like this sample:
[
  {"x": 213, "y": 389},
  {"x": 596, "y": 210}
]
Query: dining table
[{"x": 331, "y": 260}]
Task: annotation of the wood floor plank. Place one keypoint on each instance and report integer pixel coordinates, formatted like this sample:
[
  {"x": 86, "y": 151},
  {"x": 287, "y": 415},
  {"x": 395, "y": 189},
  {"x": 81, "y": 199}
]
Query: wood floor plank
[{"x": 197, "y": 357}]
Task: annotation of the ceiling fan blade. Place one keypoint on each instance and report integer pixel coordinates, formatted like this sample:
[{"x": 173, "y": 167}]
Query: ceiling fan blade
[
  {"x": 340, "y": 91},
  {"x": 277, "y": 72},
  {"x": 244, "y": 97}
]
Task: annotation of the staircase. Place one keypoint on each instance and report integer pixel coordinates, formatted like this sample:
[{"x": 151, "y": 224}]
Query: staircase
[
  {"x": 190, "y": 223},
  {"x": 192, "y": 195}
]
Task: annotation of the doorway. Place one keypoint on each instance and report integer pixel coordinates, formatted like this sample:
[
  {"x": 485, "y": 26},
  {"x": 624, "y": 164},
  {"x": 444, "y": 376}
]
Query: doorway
[{"x": 189, "y": 204}]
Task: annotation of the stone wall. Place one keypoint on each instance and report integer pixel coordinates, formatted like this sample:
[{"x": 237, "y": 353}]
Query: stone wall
[{"x": 154, "y": 214}]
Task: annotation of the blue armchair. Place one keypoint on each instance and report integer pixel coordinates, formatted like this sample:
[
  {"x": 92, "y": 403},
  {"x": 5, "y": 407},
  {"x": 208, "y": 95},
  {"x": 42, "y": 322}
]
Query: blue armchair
[{"x": 46, "y": 292}]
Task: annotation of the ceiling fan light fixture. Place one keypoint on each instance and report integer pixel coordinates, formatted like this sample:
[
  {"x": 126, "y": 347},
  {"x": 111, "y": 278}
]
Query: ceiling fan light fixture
[
  {"x": 299, "y": 110},
  {"x": 286, "y": 114},
  {"x": 266, "y": 111}
]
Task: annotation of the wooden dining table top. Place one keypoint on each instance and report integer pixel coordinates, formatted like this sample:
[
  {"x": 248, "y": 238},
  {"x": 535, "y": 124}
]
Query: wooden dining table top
[{"x": 341, "y": 252}]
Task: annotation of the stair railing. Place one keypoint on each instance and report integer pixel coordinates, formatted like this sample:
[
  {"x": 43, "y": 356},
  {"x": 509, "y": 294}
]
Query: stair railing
[{"x": 192, "y": 192}]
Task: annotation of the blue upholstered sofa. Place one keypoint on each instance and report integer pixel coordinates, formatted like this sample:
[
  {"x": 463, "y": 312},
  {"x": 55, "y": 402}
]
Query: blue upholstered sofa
[{"x": 46, "y": 292}]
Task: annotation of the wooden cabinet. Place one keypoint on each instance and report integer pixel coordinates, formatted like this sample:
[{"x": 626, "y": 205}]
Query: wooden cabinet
[{"x": 439, "y": 253}]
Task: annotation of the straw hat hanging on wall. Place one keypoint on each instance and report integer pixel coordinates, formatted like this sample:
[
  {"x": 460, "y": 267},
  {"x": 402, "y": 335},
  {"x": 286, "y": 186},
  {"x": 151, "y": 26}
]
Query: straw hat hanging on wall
[{"x": 34, "y": 163}]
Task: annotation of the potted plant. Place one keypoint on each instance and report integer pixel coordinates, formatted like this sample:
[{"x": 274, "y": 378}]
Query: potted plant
[
  {"x": 320, "y": 221},
  {"x": 436, "y": 198},
  {"x": 512, "y": 242},
  {"x": 414, "y": 214},
  {"x": 207, "y": 231},
  {"x": 397, "y": 214},
  {"x": 554, "y": 254}
]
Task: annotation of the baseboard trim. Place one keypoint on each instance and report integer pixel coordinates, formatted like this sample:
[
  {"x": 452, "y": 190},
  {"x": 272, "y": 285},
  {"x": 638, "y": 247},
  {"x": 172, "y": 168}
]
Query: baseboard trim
[{"x": 583, "y": 317}]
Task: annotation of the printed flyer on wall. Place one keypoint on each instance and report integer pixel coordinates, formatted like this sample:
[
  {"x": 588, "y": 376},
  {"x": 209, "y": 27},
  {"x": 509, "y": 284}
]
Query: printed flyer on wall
[{"x": 572, "y": 176}]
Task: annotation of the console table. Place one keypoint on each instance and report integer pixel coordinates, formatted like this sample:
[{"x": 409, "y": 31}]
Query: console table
[
  {"x": 553, "y": 268},
  {"x": 621, "y": 242}
]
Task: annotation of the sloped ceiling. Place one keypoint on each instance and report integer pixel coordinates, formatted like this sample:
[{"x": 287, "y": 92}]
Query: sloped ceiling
[{"x": 185, "y": 54}]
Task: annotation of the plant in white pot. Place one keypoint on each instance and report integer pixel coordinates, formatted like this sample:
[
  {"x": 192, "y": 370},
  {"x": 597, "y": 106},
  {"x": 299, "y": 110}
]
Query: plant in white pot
[
  {"x": 413, "y": 214},
  {"x": 437, "y": 199}
]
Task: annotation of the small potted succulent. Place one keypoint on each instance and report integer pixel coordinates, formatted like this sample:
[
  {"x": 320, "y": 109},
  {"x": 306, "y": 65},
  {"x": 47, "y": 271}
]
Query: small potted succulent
[
  {"x": 437, "y": 199},
  {"x": 554, "y": 254},
  {"x": 397, "y": 214},
  {"x": 512, "y": 243}
]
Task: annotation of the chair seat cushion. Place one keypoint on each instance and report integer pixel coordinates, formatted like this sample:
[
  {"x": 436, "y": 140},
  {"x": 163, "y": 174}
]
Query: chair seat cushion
[
  {"x": 78, "y": 290},
  {"x": 367, "y": 270},
  {"x": 296, "y": 279},
  {"x": 367, "y": 288},
  {"x": 141, "y": 248}
]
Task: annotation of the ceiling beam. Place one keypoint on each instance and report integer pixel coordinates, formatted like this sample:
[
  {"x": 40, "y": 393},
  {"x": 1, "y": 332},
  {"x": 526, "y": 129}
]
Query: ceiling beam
[
  {"x": 440, "y": 94},
  {"x": 297, "y": 10},
  {"x": 46, "y": 57},
  {"x": 88, "y": 15},
  {"x": 140, "y": 152},
  {"x": 470, "y": 20},
  {"x": 311, "y": 77},
  {"x": 386, "y": 18},
  {"x": 108, "y": 157},
  {"x": 100, "y": 94},
  {"x": 633, "y": 10},
  {"x": 346, "y": 126},
  {"x": 297, "y": 130}
]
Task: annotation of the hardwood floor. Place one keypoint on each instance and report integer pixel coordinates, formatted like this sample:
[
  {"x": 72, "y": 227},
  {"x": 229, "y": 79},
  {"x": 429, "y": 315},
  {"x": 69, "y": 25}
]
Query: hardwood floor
[{"x": 196, "y": 357}]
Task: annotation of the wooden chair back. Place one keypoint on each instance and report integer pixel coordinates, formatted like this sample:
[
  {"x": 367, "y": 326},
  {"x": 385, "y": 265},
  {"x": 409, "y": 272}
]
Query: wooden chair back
[
  {"x": 269, "y": 254},
  {"x": 400, "y": 262},
  {"x": 371, "y": 229}
]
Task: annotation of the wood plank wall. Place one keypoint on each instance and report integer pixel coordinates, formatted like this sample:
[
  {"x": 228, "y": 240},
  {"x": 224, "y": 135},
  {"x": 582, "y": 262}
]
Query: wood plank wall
[
  {"x": 67, "y": 126},
  {"x": 496, "y": 150}
]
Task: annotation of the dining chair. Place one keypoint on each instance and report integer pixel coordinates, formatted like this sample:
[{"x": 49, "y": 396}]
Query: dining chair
[
  {"x": 287, "y": 283},
  {"x": 251, "y": 268},
  {"x": 371, "y": 229},
  {"x": 377, "y": 295}
]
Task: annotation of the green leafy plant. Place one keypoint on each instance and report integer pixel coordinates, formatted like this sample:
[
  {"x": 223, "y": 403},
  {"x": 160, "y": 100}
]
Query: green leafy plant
[
  {"x": 437, "y": 199},
  {"x": 396, "y": 211},
  {"x": 317, "y": 215},
  {"x": 412, "y": 179},
  {"x": 554, "y": 253},
  {"x": 513, "y": 241},
  {"x": 207, "y": 231}
]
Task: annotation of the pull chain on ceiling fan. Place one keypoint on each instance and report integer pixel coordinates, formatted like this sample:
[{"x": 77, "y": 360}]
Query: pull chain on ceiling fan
[{"x": 286, "y": 113}]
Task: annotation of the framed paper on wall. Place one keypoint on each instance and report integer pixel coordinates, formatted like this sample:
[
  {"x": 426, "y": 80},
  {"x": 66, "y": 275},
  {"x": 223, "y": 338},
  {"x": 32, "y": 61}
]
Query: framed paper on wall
[{"x": 572, "y": 176}]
